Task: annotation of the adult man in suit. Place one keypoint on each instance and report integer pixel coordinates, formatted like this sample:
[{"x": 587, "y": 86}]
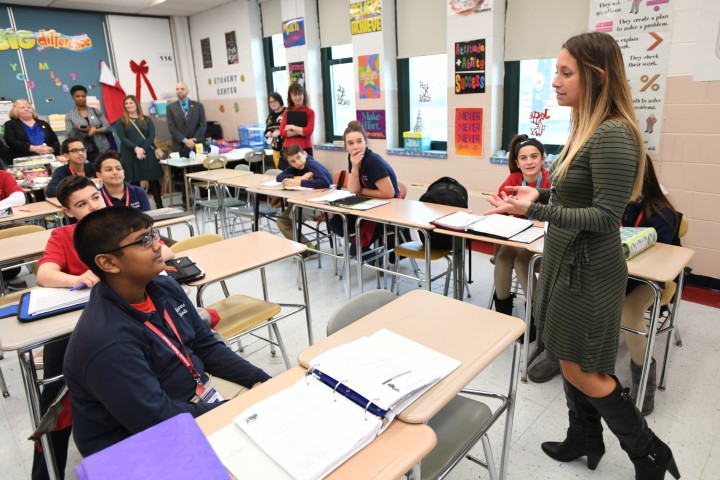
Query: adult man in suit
[{"x": 186, "y": 121}]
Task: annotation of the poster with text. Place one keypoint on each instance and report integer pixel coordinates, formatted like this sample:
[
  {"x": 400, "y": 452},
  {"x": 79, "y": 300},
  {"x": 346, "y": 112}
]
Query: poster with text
[
  {"x": 470, "y": 66},
  {"x": 468, "y": 7},
  {"x": 643, "y": 30},
  {"x": 231, "y": 46},
  {"x": 297, "y": 72},
  {"x": 294, "y": 32},
  {"x": 369, "y": 76},
  {"x": 206, "y": 52},
  {"x": 365, "y": 17},
  {"x": 373, "y": 121},
  {"x": 469, "y": 131}
]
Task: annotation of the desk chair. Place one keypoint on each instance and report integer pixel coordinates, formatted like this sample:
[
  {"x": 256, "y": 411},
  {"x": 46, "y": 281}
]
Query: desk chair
[
  {"x": 8, "y": 299},
  {"x": 213, "y": 205},
  {"x": 15, "y": 232},
  {"x": 416, "y": 251},
  {"x": 459, "y": 425},
  {"x": 241, "y": 315},
  {"x": 256, "y": 156}
]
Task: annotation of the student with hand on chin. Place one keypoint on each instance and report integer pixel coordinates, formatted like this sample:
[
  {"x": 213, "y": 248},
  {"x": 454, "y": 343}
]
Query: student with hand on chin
[
  {"x": 140, "y": 354},
  {"x": 115, "y": 192}
]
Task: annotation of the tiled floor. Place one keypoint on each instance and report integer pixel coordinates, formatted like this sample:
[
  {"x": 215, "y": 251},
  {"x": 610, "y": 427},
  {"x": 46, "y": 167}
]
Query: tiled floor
[{"x": 686, "y": 415}]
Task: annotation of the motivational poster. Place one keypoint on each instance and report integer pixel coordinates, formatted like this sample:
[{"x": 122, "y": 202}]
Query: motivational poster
[
  {"x": 369, "y": 76},
  {"x": 365, "y": 17},
  {"x": 293, "y": 32},
  {"x": 231, "y": 46},
  {"x": 206, "y": 52},
  {"x": 468, "y": 131},
  {"x": 297, "y": 72},
  {"x": 470, "y": 66},
  {"x": 373, "y": 121}
]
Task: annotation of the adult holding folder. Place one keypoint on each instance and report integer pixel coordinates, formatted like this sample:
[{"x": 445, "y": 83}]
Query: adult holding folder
[
  {"x": 581, "y": 290},
  {"x": 298, "y": 123}
]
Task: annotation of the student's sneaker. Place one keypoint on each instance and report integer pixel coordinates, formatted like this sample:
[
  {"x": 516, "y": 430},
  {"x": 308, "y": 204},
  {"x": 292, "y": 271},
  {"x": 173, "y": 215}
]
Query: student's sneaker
[{"x": 311, "y": 251}]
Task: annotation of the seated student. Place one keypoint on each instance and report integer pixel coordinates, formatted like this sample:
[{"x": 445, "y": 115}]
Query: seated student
[
  {"x": 303, "y": 171},
  {"x": 115, "y": 191},
  {"x": 139, "y": 353},
  {"x": 653, "y": 210},
  {"x": 526, "y": 168},
  {"x": 11, "y": 195},
  {"x": 370, "y": 176},
  {"x": 74, "y": 150},
  {"x": 60, "y": 266}
]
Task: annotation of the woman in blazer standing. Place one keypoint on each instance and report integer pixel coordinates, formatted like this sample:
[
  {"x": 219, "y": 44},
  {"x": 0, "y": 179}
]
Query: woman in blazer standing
[
  {"x": 88, "y": 124},
  {"x": 27, "y": 135}
]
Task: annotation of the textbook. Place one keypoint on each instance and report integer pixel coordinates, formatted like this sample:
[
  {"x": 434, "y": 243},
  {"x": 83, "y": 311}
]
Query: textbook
[
  {"x": 183, "y": 269},
  {"x": 349, "y": 396},
  {"x": 46, "y": 302},
  {"x": 636, "y": 240},
  {"x": 495, "y": 225},
  {"x": 175, "y": 448}
]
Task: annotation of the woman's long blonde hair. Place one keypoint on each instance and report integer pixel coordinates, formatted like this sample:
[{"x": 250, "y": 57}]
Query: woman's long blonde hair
[{"x": 605, "y": 95}]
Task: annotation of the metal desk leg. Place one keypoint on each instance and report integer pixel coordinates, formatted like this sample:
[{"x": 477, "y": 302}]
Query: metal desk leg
[
  {"x": 650, "y": 348},
  {"x": 187, "y": 190},
  {"x": 30, "y": 381},
  {"x": 459, "y": 267},
  {"x": 256, "y": 212},
  {"x": 510, "y": 412},
  {"x": 306, "y": 298},
  {"x": 673, "y": 329},
  {"x": 358, "y": 251},
  {"x": 528, "y": 316}
]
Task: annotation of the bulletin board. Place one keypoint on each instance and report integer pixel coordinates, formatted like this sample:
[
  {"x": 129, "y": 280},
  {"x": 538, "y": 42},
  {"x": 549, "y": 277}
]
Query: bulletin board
[
  {"x": 53, "y": 70},
  {"x": 13, "y": 81}
]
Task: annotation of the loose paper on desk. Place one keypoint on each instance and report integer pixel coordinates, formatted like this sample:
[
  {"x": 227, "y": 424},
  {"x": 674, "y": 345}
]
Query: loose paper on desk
[
  {"x": 331, "y": 197},
  {"x": 43, "y": 300},
  {"x": 275, "y": 185},
  {"x": 309, "y": 429}
]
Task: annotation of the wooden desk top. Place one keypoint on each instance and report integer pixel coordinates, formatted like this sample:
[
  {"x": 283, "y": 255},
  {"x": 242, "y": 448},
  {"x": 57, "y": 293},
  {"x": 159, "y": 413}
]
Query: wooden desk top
[
  {"x": 218, "y": 174},
  {"x": 409, "y": 213},
  {"x": 659, "y": 263},
  {"x": 481, "y": 238},
  {"x": 23, "y": 246},
  {"x": 303, "y": 201},
  {"x": 173, "y": 221},
  {"x": 471, "y": 334},
  {"x": 235, "y": 255},
  {"x": 280, "y": 193},
  {"x": 54, "y": 201},
  {"x": 389, "y": 456},
  {"x": 181, "y": 162},
  {"x": 15, "y": 335},
  {"x": 246, "y": 181},
  {"x": 30, "y": 211}
]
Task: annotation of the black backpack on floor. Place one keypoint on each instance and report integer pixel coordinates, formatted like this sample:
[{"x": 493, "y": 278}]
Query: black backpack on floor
[{"x": 444, "y": 191}]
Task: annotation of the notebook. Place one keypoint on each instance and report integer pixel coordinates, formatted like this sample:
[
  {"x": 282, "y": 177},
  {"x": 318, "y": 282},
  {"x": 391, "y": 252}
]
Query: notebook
[
  {"x": 315, "y": 425},
  {"x": 183, "y": 269},
  {"x": 175, "y": 448},
  {"x": 46, "y": 302},
  {"x": 495, "y": 225},
  {"x": 357, "y": 202},
  {"x": 297, "y": 118}
]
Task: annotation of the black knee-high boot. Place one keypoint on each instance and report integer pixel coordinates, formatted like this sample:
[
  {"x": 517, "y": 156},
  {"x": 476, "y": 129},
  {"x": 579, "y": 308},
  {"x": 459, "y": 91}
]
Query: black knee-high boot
[
  {"x": 584, "y": 435},
  {"x": 651, "y": 457},
  {"x": 155, "y": 190}
]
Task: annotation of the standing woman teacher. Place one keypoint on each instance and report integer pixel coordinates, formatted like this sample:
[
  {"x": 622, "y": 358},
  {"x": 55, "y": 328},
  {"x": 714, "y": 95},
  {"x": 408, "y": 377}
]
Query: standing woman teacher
[
  {"x": 297, "y": 133},
  {"x": 582, "y": 283},
  {"x": 137, "y": 148},
  {"x": 88, "y": 124}
]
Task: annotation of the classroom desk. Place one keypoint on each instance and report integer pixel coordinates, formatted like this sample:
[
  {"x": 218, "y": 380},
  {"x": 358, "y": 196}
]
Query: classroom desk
[
  {"x": 169, "y": 222},
  {"x": 183, "y": 164},
  {"x": 32, "y": 211},
  {"x": 389, "y": 456},
  {"x": 474, "y": 335},
  {"x": 211, "y": 178},
  {"x": 404, "y": 213},
  {"x": 24, "y": 337},
  {"x": 661, "y": 263},
  {"x": 21, "y": 247},
  {"x": 246, "y": 182},
  {"x": 249, "y": 252},
  {"x": 297, "y": 203}
]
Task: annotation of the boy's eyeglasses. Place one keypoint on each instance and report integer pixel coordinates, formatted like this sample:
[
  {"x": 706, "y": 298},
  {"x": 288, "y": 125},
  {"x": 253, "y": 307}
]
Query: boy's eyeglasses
[
  {"x": 146, "y": 241},
  {"x": 77, "y": 150}
]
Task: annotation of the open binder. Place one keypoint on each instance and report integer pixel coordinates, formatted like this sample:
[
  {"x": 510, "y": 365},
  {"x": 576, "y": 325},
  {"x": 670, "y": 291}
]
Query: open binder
[
  {"x": 495, "y": 225},
  {"x": 347, "y": 398}
]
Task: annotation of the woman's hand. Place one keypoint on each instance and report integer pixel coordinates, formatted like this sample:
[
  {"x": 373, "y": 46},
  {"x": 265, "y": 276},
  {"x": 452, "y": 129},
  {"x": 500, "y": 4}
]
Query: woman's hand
[
  {"x": 515, "y": 200},
  {"x": 140, "y": 153},
  {"x": 91, "y": 131},
  {"x": 292, "y": 131}
]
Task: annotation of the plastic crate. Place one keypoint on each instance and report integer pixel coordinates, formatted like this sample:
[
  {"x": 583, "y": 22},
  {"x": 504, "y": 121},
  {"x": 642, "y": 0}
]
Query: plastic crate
[
  {"x": 416, "y": 142},
  {"x": 251, "y": 136}
]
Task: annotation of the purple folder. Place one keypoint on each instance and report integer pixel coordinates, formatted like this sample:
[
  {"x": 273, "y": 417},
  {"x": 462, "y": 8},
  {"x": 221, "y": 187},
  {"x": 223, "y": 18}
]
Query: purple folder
[{"x": 175, "y": 448}]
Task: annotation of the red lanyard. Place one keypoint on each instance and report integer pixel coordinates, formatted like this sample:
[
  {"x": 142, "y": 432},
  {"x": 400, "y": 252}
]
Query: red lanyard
[
  {"x": 639, "y": 219},
  {"x": 109, "y": 200},
  {"x": 184, "y": 359}
]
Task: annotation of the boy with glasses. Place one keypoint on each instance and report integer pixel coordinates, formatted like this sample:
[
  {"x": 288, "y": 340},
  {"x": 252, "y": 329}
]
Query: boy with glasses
[
  {"x": 74, "y": 150},
  {"x": 140, "y": 353}
]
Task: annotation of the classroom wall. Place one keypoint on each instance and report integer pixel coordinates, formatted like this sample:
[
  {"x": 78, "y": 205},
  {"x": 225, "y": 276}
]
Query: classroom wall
[{"x": 689, "y": 164}]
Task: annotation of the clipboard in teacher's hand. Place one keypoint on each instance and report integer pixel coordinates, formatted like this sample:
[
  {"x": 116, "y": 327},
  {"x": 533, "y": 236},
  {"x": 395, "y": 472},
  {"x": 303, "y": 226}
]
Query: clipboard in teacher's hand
[{"x": 297, "y": 118}]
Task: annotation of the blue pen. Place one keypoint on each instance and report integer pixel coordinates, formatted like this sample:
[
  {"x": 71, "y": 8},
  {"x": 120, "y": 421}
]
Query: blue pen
[{"x": 82, "y": 285}]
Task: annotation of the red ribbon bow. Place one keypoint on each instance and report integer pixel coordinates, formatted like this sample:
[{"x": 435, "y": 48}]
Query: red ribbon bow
[{"x": 141, "y": 71}]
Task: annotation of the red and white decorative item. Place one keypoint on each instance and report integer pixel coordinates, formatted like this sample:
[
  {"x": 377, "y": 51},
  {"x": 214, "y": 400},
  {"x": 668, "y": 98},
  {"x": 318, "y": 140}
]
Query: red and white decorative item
[
  {"x": 141, "y": 70},
  {"x": 112, "y": 93}
]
